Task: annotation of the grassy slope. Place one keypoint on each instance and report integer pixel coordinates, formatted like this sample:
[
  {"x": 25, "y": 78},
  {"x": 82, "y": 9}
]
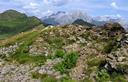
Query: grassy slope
[
  {"x": 12, "y": 22},
  {"x": 21, "y": 36},
  {"x": 26, "y": 38}
]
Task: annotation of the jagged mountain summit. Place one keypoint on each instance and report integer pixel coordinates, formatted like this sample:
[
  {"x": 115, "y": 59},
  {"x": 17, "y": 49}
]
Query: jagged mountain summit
[
  {"x": 66, "y": 17},
  {"x": 62, "y": 17}
]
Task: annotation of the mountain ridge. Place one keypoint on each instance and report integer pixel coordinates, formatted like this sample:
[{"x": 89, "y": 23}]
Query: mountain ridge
[
  {"x": 82, "y": 22},
  {"x": 12, "y": 22},
  {"x": 62, "y": 17},
  {"x": 65, "y": 17}
]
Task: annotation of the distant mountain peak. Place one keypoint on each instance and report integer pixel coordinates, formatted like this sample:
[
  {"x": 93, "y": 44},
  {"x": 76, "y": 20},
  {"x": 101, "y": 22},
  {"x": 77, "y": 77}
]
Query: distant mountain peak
[
  {"x": 11, "y": 11},
  {"x": 59, "y": 12},
  {"x": 62, "y": 17},
  {"x": 83, "y": 23},
  {"x": 105, "y": 19}
]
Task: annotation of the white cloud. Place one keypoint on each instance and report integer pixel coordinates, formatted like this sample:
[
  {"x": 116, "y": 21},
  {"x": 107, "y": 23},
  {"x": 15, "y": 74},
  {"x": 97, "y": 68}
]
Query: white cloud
[
  {"x": 112, "y": 16},
  {"x": 46, "y": 1},
  {"x": 56, "y": 2},
  {"x": 114, "y": 5},
  {"x": 31, "y": 5},
  {"x": 118, "y": 7},
  {"x": 34, "y": 4},
  {"x": 118, "y": 15},
  {"x": 47, "y": 13}
]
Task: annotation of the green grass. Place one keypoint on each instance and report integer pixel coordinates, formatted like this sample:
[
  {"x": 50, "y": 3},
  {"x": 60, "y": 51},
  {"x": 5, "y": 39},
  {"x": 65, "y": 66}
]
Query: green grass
[
  {"x": 26, "y": 58},
  {"x": 37, "y": 75},
  {"x": 48, "y": 78},
  {"x": 86, "y": 80},
  {"x": 69, "y": 80},
  {"x": 68, "y": 62},
  {"x": 22, "y": 54},
  {"x": 119, "y": 78},
  {"x": 21, "y": 36},
  {"x": 43, "y": 77},
  {"x": 94, "y": 61},
  {"x": 4, "y": 36},
  {"x": 14, "y": 22},
  {"x": 59, "y": 54},
  {"x": 66, "y": 79},
  {"x": 104, "y": 76},
  {"x": 111, "y": 45},
  {"x": 56, "y": 42}
]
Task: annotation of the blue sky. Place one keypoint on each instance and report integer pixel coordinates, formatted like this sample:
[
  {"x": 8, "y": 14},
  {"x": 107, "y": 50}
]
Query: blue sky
[{"x": 41, "y": 8}]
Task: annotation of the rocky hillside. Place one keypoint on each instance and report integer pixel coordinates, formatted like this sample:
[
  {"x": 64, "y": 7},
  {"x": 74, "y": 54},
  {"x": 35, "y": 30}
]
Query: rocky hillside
[
  {"x": 69, "y": 53},
  {"x": 12, "y": 22}
]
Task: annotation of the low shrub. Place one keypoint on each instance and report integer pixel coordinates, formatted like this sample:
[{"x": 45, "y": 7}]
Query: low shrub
[
  {"x": 67, "y": 79},
  {"x": 103, "y": 76},
  {"x": 26, "y": 58},
  {"x": 86, "y": 80},
  {"x": 55, "y": 42},
  {"x": 48, "y": 79},
  {"x": 37, "y": 75},
  {"x": 43, "y": 77},
  {"x": 94, "y": 61},
  {"x": 68, "y": 62},
  {"x": 118, "y": 78},
  {"x": 59, "y": 53},
  {"x": 111, "y": 45}
]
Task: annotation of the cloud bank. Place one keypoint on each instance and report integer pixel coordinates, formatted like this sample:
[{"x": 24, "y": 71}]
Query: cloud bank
[{"x": 46, "y": 7}]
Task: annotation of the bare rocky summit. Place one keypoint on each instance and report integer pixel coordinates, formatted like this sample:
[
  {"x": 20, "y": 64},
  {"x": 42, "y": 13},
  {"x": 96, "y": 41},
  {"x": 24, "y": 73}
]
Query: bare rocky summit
[{"x": 68, "y": 53}]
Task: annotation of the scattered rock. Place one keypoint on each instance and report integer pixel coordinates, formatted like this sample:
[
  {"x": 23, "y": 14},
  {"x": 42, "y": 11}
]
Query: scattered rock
[
  {"x": 1, "y": 62},
  {"x": 118, "y": 60},
  {"x": 16, "y": 73},
  {"x": 6, "y": 51},
  {"x": 47, "y": 68}
]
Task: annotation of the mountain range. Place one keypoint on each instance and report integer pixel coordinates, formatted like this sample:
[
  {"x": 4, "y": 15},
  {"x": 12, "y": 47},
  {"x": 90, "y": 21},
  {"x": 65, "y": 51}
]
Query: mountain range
[
  {"x": 13, "y": 22},
  {"x": 62, "y": 17},
  {"x": 104, "y": 19}
]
